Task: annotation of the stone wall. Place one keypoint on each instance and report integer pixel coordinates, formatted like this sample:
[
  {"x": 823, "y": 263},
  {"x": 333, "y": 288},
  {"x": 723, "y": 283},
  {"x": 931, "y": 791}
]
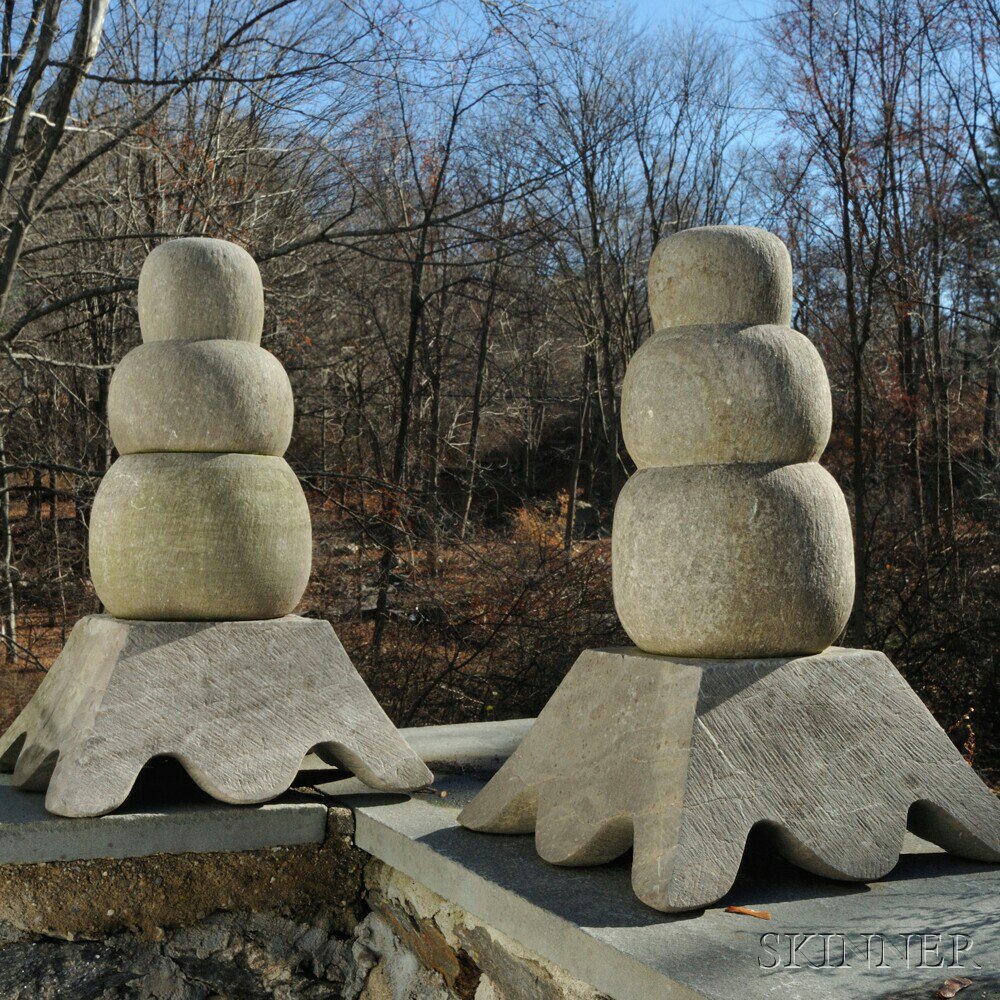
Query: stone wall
[
  {"x": 418, "y": 945},
  {"x": 300, "y": 923}
]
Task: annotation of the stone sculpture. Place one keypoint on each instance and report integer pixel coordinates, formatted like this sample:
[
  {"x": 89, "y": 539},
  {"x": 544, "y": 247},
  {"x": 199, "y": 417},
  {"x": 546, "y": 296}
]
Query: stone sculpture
[
  {"x": 732, "y": 573},
  {"x": 201, "y": 518},
  {"x": 200, "y": 548},
  {"x": 730, "y": 540}
]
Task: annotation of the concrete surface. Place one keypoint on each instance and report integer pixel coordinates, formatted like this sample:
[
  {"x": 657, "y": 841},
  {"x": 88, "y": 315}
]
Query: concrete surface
[
  {"x": 473, "y": 748},
  {"x": 193, "y": 824},
  {"x": 424, "y": 942}
]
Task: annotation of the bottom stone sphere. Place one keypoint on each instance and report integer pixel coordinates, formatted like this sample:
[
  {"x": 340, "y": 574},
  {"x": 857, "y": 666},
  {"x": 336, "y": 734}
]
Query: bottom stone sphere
[
  {"x": 733, "y": 560},
  {"x": 200, "y": 537}
]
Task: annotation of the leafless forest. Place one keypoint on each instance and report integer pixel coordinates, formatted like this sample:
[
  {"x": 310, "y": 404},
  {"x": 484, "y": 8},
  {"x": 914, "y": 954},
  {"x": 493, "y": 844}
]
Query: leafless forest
[{"x": 453, "y": 203}]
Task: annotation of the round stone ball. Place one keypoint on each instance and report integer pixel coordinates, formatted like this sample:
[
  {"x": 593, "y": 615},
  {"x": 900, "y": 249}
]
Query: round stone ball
[
  {"x": 708, "y": 395},
  {"x": 206, "y": 395},
  {"x": 200, "y": 289},
  {"x": 720, "y": 274},
  {"x": 732, "y": 561},
  {"x": 187, "y": 537}
]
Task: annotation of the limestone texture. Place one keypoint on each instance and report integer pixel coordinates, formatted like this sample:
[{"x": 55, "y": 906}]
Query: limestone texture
[
  {"x": 716, "y": 394},
  {"x": 200, "y": 537},
  {"x": 833, "y": 755},
  {"x": 238, "y": 704},
  {"x": 205, "y": 396},
  {"x": 200, "y": 289},
  {"x": 729, "y": 541},
  {"x": 733, "y": 572},
  {"x": 732, "y": 560},
  {"x": 720, "y": 274},
  {"x": 200, "y": 519}
]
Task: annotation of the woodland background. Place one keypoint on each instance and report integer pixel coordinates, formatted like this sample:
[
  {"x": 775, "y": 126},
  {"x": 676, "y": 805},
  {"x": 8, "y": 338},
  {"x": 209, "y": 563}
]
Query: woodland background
[{"x": 453, "y": 203}]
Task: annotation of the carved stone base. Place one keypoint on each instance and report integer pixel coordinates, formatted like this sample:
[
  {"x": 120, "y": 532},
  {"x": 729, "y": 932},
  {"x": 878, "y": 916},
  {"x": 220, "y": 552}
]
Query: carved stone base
[
  {"x": 677, "y": 758},
  {"x": 239, "y": 704}
]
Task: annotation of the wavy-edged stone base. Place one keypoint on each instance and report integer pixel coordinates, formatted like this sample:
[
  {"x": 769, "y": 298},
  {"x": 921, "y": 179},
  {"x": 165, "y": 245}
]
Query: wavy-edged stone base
[
  {"x": 239, "y": 704},
  {"x": 680, "y": 758}
]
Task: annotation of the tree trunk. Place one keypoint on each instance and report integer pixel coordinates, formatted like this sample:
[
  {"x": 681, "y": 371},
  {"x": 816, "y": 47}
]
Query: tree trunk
[
  {"x": 581, "y": 434},
  {"x": 858, "y": 626},
  {"x": 482, "y": 354},
  {"x": 8, "y": 624},
  {"x": 391, "y": 530}
]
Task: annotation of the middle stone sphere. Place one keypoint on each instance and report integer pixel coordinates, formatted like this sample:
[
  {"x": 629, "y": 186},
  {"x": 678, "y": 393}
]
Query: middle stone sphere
[
  {"x": 715, "y": 394},
  {"x": 202, "y": 395},
  {"x": 200, "y": 537},
  {"x": 732, "y": 560}
]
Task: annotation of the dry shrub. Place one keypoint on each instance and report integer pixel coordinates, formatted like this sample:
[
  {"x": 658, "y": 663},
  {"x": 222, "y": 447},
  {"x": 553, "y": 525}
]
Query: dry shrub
[{"x": 511, "y": 611}]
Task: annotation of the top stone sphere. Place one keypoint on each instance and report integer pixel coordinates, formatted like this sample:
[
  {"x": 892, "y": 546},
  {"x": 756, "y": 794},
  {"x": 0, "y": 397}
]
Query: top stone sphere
[
  {"x": 720, "y": 274},
  {"x": 200, "y": 289}
]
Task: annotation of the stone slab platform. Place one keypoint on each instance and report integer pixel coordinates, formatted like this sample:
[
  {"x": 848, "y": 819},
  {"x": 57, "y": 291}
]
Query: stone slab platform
[
  {"x": 280, "y": 686},
  {"x": 680, "y": 760},
  {"x": 585, "y": 920},
  {"x": 588, "y": 921},
  {"x": 168, "y": 815},
  {"x": 29, "y": 834}
]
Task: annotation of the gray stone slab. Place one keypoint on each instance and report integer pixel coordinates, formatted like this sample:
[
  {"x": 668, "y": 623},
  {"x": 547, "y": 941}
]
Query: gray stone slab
[
  {"x": 470, "y": 748},
  {"x": 589, "y": 922},
  {"x": 169, "y": 816},
  {"x": 30, "y": 834}
]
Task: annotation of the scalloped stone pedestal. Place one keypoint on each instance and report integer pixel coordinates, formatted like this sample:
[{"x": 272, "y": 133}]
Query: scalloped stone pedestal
[
  {"x": 680, "y": 758},
  {"x": 239, "y": 704}
]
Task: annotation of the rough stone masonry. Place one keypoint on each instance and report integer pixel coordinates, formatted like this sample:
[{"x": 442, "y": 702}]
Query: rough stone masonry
[{"x": 301, "y": 923}]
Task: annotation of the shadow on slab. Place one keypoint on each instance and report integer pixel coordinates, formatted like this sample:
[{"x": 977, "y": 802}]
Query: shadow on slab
[
  {"x": 601, "y": 896},
  {"x": 163, "y": 781}
]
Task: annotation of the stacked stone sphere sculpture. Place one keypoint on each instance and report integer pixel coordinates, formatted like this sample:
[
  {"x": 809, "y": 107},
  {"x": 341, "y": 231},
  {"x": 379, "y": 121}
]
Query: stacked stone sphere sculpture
[
  {"x": 730, "y": 540},
  {"x": 201, "y": 518},
  {"x": 732, "y": 572},
  {"x": 200, "y": 547}
]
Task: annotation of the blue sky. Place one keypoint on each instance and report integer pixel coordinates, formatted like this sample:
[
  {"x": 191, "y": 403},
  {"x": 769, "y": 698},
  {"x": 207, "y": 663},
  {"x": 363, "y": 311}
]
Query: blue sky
[
  {"x": 735, "y": 16},
  {"x": 741, "y": 20}
]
